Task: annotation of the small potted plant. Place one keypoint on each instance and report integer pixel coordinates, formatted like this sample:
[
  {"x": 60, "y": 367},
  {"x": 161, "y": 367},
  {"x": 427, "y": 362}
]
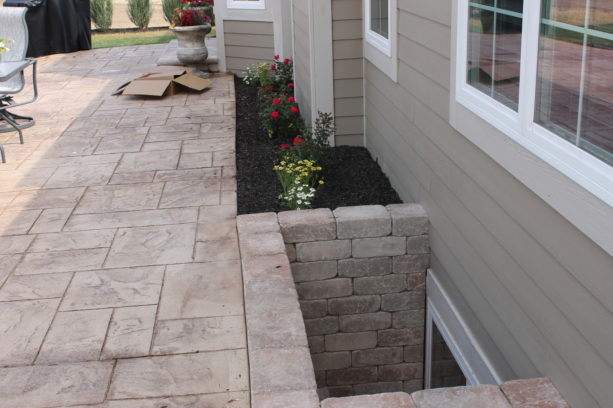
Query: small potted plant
[
  {"x": 191, "y": 23},
  {"x": 198, "y": 5}
]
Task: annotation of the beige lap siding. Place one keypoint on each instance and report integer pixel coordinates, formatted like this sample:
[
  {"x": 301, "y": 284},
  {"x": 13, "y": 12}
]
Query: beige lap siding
[
  {"x": 348, "y": 71},
  {"x": 247, "y": 43},
  {"x": 302, "y": 56},
  {"x": 533, "y": 287}
]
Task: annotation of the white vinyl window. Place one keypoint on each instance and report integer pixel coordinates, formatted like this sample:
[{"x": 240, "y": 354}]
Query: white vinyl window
[
  {"x": 380, "y": 33},
  {"x": 542, "y": 72},
  {"x": 247, "y": 4}
]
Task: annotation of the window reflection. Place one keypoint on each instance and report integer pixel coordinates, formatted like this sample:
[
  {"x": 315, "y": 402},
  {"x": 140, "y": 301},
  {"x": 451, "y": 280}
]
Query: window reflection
[
  {"x": 379, "y": 17},
  {"x": 575, "y": 74},
  {"x": 494, "y": 48}
]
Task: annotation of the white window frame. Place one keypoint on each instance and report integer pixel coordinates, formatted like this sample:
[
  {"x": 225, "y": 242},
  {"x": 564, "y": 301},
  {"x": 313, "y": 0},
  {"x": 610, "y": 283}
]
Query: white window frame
[
  {"x": 586, "y": 170},
  {"x": 380, "y": 51},
  {"x": 464, "y": 347},
  {"x": 247, "y": 5}
]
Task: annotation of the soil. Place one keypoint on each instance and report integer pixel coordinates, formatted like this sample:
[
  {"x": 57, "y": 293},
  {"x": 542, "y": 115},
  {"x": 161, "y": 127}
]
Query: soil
[{"x": 351, "y": 176}]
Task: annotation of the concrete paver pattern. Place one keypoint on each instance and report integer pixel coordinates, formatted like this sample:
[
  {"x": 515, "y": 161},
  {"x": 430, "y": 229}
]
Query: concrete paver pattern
[{"x": 120, "y": 279}]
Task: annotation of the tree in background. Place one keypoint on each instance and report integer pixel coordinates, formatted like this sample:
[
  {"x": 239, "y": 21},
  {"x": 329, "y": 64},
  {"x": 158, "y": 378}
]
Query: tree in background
[
  {"x": 102, "y": 13},
  {"x": 139, "y": 12}
]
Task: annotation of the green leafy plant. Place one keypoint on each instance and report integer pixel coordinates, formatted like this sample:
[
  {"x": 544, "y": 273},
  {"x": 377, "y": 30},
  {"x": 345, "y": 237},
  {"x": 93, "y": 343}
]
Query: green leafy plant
[
  {"x": 139, "y": 12},
  {"x": 324, "y": 130},
  {"x": 278, "y": 75},
  {"x": 168, "y": 8},
  {"x": 102, "y": 13}
]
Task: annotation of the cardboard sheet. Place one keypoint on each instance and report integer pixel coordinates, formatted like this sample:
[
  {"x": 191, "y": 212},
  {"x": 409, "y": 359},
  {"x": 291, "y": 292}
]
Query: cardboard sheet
[{"x": 165, "y": 81}]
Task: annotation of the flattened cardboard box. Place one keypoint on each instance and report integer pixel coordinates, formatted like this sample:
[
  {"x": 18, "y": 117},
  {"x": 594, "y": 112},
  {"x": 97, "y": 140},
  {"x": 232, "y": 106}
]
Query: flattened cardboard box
[{"x": 163, "y": 82}]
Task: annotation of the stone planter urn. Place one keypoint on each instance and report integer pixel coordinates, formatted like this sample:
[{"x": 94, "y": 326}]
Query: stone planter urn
[{"x": 192, "y": 49}]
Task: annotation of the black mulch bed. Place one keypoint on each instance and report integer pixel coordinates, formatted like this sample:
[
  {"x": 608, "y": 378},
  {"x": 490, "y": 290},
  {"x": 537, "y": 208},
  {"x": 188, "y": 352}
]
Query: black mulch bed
[{"x": 351, "y": 176}]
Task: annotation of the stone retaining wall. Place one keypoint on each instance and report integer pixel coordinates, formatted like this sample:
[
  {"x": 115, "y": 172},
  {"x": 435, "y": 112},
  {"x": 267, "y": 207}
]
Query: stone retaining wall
[
  {"x": 360, "y": 277},
  {"x": 281, "y": 371}
]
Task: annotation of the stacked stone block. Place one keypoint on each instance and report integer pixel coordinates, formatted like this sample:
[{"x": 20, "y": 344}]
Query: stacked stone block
[{"x": 360, "y": 276}]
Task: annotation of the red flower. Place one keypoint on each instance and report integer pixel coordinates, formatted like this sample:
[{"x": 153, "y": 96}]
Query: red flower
[
  {"x": 276, "y": 101},
  {"x": 294, "y": 109},
  {"x": 291, "y": 99},
  {"x": 187, "y": 19},
  {"x": 275, "y": 114},
  {"x": 270, "y": 88},
  {"x": 285, "y": 146},
  {"x": 286, "y": 61},
  {"x": 273, "y": 68},
  {"x": 276, "y": 57},
  {"x": 298, "y": 141},
  {"x": 290, "y": 85}
]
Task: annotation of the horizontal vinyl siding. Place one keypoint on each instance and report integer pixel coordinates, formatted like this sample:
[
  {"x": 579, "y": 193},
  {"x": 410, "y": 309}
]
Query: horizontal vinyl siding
[
  {"x": 247, "y": 43},
  {"x": 348, "y": 71},
  {"x": 537, "y": 291},
  {"x": 302, "y": 56}
]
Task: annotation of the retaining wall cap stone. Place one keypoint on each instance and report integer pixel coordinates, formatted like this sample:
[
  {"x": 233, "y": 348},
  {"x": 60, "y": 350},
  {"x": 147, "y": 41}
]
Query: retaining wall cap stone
[
  {"x": 257, "y": 223},
  {"x": 481, "y": 396},
  {"x": 361, "y": 212},
  {"x": 266, "y": 268},
  {"x": 281, "y": 369},
  {"x": 362, "y": 221},
  {"x": 319, "y": 215},
  {"x": 307, "y": 225},
  {"x": 408, "y": 219},
  {"x": 267, "y": 243},
  {"x": 407, "y": 209},
  {"x": 390, "y": 400},
  {"x": 293, "y": 399},
  {"x": 533, "y": 393}
]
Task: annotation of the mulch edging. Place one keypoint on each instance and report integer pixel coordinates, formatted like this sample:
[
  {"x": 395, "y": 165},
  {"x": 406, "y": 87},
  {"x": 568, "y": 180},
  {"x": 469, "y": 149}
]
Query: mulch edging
[{"x": 351, "y": 176}]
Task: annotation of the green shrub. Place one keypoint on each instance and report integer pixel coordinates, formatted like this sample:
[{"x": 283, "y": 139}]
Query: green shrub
[
  {"x": 168, "y": 7},
  {"x": 102, "y": 13},
  {"x": 139, "y": 12}
]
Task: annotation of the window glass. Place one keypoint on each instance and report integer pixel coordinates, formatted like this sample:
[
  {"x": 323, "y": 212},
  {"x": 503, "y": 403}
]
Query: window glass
[
  {"x": 575, "y": 73},
  {"x": 445, "y": 371},
  {"x": 379, "y": 17},
  {"x": 494, "y": 48}
]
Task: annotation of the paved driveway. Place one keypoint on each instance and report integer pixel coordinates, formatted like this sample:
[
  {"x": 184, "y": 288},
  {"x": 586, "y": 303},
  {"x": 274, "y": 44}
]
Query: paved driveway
[{"x": 120, "y": 280}]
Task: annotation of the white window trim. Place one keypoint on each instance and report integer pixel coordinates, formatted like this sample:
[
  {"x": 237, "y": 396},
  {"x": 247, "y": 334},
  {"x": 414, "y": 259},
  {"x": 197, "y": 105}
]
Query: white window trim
[
  {"x": 586, "y": 170},
  {"x": 380, "y": 51},
  {"x": 463, "y": 345},
  {"x": 247, "y": 5}
]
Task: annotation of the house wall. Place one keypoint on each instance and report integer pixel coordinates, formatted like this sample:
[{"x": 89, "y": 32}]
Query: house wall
[
  {"x": 535, "y": 290},
  {"x": 247, "y": 43},
  {"x": 348, "y": 71},
  {"x": 302, "y": 55}
]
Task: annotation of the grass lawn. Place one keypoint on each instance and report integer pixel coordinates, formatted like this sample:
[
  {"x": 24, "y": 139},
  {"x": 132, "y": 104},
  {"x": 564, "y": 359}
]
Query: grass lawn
[{"x": 121, "y": 39}]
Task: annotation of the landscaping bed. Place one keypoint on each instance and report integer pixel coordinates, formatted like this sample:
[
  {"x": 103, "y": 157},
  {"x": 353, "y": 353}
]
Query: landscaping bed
[{"x": 351, "y": 177}]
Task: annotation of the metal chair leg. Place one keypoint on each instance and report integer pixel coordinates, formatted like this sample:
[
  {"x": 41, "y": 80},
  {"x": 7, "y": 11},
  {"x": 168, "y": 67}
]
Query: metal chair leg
[
  {"x": 7, "y": 117},
  {"x": 2, "y": 154}
]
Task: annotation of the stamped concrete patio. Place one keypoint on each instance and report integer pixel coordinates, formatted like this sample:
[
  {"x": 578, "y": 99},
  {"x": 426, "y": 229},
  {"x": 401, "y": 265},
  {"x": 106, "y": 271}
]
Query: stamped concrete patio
[{"x": 120, "y": 279}]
